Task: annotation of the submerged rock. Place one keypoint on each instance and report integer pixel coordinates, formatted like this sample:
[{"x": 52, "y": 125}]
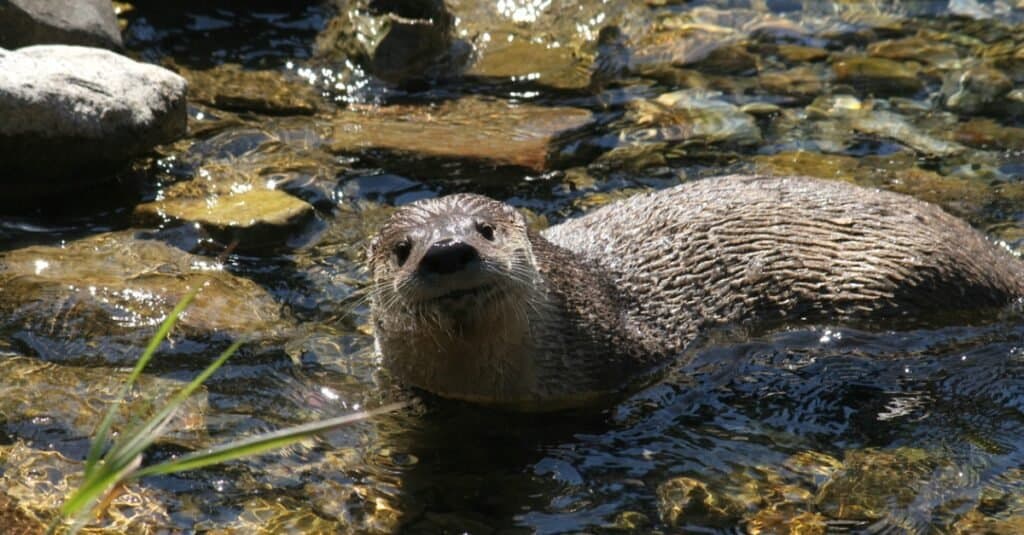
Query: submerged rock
[
  {"x": 801, "y": 54},
  {"x": 510, "y": 58},
  {"x": 878, "y": 75},
  {"x": 683, "y": 500},
  {"x": 257, "y": 219},
  {"x": 999, "y": 511},
  {"x": 67, "y": 22},
  {"x": 400, "y": 42},
  {"x": 71, "y": 114},
  {"x": 987, "y": 133},
  {"x": 786, "y": 521},
  {"x": 976, "y": 90},
  {"x": 230, "y": 87},
  {"x": 403, "y": 42},
  {"x": 890, "y": 125},
  {"x": 976, "y": 522},
  {"x": 73, "y": 399},
  {"x": 485, "y": 131},
  {"x": 17, "y": 519},
  {"x": 37, "y": 481},
  {"x": 798, "y": 82},
  {"x": 872, "y": 483},
  {"x": 100, "y": 297},
  {"x": 691, "y": 117},
  {"x": 915, "y": 49}
]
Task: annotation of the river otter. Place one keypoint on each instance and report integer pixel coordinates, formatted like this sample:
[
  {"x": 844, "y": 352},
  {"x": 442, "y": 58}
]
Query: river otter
[{"x": 469, "y": 303}]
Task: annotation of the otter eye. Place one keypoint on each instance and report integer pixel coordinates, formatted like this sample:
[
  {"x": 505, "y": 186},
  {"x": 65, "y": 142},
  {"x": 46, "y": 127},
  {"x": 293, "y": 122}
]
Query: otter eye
[
  {"x": 486, "y": 230},
  {"x": 402, "y": 250}
]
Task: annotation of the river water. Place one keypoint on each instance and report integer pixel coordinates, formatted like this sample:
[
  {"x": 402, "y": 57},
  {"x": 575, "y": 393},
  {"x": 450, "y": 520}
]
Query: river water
[{"x": 556, "y": 107}]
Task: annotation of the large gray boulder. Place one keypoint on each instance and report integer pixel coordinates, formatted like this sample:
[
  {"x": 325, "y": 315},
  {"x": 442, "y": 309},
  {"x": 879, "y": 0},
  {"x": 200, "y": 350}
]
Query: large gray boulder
[
  {"x": 70, "y": 115},
  {"x": 68, "y": 22}
]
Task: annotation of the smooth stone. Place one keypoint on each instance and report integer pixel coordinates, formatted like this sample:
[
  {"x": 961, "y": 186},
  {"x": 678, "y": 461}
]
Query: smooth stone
[
  {"x": 230, "y": 87},
  {"x": 798, "y": 82},
  {"x": 801, "y": 54},
  {"x": 977, "y": 89},
  {"x": 516, "y": 59},
  {"x": 890, "y": 125},
  {"x": 677, "y": 48},
  {"x": 691, "y": 116},
  {"x": 916, "y": 49},
  {"x": 730, "y": 59},
  {"x": 987, "y": 133},
  {"x": 66, "y": 22},
  {"x": 760, "y": 108},
  {"x": 878, "y": 75},
  {"x": 257, "y": 219},
  {"x": 828, "y": 166},
  {"x": 487, "y": 131},
  {"x": 102, "y": 296},
  {"x": 74, "y": 114},
  {"x": 834, "y": 106}
]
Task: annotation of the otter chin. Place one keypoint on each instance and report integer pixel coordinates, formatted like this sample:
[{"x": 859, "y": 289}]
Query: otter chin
[{"x": 470, "y": 303}]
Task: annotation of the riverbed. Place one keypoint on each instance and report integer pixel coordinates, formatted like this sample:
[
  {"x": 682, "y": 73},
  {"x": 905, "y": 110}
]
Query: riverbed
[{"x": 556, "y": 107}]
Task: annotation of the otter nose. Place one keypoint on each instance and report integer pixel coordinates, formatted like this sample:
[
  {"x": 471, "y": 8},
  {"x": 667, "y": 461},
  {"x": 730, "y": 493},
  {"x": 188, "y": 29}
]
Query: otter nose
[{"x": 448, "y": 256}]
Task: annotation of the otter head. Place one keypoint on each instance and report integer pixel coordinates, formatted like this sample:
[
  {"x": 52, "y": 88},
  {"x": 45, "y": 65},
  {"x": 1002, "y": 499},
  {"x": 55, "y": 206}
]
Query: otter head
[{"x": 454, "y": 279}]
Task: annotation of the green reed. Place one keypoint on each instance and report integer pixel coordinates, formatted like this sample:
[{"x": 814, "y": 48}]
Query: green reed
[{"x": 122, "y": 459}]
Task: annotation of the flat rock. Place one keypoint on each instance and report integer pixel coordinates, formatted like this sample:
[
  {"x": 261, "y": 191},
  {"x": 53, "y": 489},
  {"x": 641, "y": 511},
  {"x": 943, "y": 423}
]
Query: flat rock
[
  {"x": 508, "y": 58},
  {"x": 66, "y": 22},
  {"x": 916, "y": 49},
  {"x": 491, "y": 132},
  {"x": 73, "y": 114},
  {"x": 36, "y": 479},
  {"x": 257, "y": 218},
  {"x": 986, "y": 133},
  {"x": 878, "y": 75},
  {"x": 102, "y": 297},
  {"x": 74, "y": 398},
  {"x": 799, "y": 82},
  {"x": 230, "y": 87},
  {"x": 978, "y": 89},
  {"x": 691, "y": 117},
  {"x": 801, "y": 54},
  {"x": 890, "y": 125}
]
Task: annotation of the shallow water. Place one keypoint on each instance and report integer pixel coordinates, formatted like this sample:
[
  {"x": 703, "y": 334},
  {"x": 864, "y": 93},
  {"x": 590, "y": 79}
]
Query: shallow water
[{"x": 911, "y": 428}]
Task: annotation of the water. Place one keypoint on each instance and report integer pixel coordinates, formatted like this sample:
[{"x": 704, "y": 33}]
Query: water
[{"x": 913, "y": 427}]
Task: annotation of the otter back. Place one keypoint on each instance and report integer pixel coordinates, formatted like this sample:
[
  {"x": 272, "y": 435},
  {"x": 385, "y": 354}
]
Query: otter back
[{"x": 748, "y": 248}]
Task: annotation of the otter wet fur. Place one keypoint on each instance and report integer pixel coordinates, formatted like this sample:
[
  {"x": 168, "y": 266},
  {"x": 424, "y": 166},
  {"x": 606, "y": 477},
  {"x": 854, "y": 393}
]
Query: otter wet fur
[{"x": 469, "y": 303}]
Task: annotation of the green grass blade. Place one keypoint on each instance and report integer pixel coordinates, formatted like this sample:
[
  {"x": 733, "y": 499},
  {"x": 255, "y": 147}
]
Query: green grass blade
[
  {"x": 93, "y": 489},
  {"x": 102, "y": 434},
  {"x": 260, "y": 443},
  {"x": 139, "y": 438}
]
